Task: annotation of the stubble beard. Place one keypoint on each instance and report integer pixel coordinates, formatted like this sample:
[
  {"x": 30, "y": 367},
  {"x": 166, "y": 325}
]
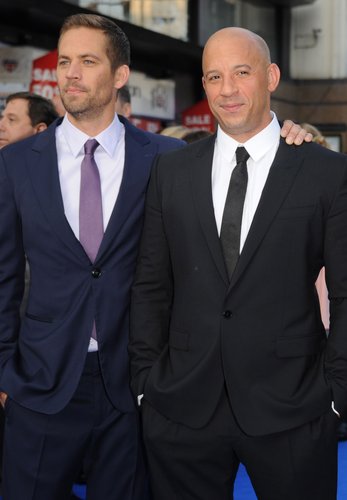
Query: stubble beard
[{"x": 86, "y": 110}]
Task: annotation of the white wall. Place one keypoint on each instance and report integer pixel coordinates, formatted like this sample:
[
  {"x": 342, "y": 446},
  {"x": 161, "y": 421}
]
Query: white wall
[{"x": 318, "y": 40}]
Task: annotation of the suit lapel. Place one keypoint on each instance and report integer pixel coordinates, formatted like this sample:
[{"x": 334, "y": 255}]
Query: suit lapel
[
  {"x": 284, "y": 169},
  {"x": 139, "y": 156},
  {"x": 43, "y": 167},
  {"x": 202, "y": 195}
]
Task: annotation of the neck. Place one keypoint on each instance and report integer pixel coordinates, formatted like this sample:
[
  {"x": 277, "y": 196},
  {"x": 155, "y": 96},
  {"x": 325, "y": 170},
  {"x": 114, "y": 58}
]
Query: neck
[{"x": 91, "y": 126}]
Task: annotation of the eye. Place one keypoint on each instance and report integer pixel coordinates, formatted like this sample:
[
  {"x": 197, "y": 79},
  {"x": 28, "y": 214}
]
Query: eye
[
  {"x": 243, "y": 73},
  {"x": 88, "y": 62},
  {"x": 63, "y": 62},
  {"x": 212, "y": 78}
]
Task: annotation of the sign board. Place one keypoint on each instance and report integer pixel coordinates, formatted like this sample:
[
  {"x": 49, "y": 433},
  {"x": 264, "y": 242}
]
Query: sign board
[
  {"x": 44, "y": 76},
  {"x": 199, "y": 116},
  {"x": 152, "y": 98}
]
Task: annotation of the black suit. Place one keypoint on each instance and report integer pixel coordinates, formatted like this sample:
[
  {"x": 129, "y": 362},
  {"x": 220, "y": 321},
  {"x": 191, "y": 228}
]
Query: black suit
[{"x": 260, "y": 337}]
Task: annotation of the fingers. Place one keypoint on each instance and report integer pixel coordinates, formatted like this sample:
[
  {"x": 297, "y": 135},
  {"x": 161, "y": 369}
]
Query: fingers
[
  {"x": 3, "y": 397},
  {"x": 294, "y": 134}
]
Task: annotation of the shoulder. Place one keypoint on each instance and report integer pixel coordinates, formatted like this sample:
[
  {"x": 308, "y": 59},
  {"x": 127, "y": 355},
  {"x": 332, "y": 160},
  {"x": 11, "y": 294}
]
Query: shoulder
[
  {"x": 143, "y": 137},
  {"x": 191, "y": 152}
]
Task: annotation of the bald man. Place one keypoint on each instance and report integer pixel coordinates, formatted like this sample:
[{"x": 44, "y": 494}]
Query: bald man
[{"x": 229, "y": 355}]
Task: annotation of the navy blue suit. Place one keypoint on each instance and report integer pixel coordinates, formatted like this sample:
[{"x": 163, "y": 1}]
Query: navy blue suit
[{"x": 43, "y": 356}]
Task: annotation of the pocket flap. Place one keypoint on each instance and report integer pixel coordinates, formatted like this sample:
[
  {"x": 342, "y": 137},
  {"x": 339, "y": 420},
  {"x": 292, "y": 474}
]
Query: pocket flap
[{"x": 287, "y": 347}]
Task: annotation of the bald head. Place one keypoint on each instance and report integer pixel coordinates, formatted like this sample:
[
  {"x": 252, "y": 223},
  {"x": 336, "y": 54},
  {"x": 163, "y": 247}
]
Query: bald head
[
  {"x": 238, "y": 78},
  {"x": 238, "y": 36}
]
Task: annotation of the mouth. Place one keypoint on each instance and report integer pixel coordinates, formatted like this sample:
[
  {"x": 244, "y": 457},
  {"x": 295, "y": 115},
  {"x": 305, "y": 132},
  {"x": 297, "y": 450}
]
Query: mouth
[
  {"x": 231, "y": 107},
  {"x": 74, "y": 90}
]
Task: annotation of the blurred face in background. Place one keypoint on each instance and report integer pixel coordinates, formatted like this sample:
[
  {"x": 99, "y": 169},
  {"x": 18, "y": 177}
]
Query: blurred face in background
[{"x": 15, "y": 123}]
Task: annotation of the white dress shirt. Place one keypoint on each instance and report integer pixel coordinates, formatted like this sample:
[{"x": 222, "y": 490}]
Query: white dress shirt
[
  {"x": 262, "y": 149},
  {"x": 109, "y": 157}
]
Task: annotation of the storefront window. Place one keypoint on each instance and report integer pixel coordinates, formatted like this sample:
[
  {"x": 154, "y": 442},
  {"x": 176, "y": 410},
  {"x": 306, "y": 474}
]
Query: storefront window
[{"x": 169, "y": 17}]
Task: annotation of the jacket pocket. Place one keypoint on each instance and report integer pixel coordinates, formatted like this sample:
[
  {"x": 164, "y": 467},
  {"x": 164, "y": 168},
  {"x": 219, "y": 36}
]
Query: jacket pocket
[
  {"x": 43, "y": 319},
  {"x": 308, "y": 345}
]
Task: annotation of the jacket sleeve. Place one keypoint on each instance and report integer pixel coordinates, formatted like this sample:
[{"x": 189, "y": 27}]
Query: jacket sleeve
[
  {"x": 152, "y": 291},
  {"x": 12, "y": 268},
  {"x": 336, "y": 277}
]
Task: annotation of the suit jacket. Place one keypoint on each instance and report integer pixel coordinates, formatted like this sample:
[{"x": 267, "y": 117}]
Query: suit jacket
[
  {"x": 42, "y": 355},
  {"x": 261, "y": 334}
]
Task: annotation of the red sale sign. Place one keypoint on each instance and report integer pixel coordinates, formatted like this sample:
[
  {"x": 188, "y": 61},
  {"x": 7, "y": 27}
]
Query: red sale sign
[
  {"x": 199, "y": 116},
  {"x": 44, "y": 77}
]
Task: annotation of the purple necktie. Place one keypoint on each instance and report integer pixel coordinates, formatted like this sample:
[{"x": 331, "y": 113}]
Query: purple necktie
[
  {"x": 90, "y": 214},
  {"x": 91, "y": 220}
]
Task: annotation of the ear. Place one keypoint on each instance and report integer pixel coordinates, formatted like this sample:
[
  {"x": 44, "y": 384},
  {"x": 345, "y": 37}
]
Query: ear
[
  {"x": 273, "y": 75},
  {"x": 121, "y": 76},
  {"x": 203, "y": 82},
  {"x": 40, "y": 127}
]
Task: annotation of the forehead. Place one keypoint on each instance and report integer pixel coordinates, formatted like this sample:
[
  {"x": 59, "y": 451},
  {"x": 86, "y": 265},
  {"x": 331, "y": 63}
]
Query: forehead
[
  {"x": 82, "y": 40},
  {"x": 228, "y": 51},
  {"x": 17, "y": 106}
]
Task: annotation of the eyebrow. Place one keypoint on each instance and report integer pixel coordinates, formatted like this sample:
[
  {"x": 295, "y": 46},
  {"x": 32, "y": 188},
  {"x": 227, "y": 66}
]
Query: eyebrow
[
  {"x": 80, "y": 56},
  {"x": 234, "y": 68}
]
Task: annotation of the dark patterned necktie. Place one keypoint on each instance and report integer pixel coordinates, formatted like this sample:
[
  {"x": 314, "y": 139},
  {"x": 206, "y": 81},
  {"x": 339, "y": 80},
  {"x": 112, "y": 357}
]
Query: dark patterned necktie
[
  {"x": 91, "y": 224},
  {"x": 232, "y": 216}
]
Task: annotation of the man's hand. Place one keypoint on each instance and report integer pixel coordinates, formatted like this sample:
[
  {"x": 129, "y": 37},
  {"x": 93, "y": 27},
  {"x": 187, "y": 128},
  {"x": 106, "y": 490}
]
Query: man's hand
[
  {"x": 3, "y": 397},
  {"x": 294, "y": 134}
]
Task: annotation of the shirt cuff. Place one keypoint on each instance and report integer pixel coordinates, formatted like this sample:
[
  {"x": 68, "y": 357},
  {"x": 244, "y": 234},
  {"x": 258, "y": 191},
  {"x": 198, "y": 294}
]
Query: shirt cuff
[
  {"x": 335, "y": 411},
  {"x": 140, "y": 397}
]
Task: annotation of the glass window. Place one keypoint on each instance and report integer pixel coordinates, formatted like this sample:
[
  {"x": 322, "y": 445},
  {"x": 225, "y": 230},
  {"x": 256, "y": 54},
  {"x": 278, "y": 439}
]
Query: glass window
[{"x": 169, "y": 17}]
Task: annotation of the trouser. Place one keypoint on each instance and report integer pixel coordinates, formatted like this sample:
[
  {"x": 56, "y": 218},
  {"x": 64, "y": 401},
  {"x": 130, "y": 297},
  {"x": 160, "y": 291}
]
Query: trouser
[
  {"x": 201, "y": 464},
  {"x": 43, "y": 454}
]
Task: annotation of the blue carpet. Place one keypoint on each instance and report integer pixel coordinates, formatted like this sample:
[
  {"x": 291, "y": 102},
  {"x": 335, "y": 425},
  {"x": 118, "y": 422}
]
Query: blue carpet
[{"x": 244, "y": 490}]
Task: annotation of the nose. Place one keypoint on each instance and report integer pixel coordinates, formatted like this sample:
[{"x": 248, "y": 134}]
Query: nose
[
  {"x": 228, "y": 87},
  {"x": 73, "y": 72}
]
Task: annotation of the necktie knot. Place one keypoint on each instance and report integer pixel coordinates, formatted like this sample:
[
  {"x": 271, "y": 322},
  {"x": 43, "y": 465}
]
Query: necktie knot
[
  {"x": 90, "y": 146},
  {"x": 242, "y": 155}
]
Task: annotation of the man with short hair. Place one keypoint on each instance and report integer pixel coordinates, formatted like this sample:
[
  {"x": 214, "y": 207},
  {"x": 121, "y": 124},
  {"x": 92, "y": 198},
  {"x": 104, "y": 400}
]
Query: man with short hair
[
  {"x": 123, "y": 102},
  {"x": 71, "y": 201},
  {"x": 25, "y": 114}
]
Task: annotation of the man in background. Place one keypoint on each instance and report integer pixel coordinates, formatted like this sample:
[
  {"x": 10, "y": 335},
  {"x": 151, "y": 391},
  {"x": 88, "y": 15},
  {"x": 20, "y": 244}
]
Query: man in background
[
  {"x": 25, "y": 114},
  {"x": 123, "y": 102}
]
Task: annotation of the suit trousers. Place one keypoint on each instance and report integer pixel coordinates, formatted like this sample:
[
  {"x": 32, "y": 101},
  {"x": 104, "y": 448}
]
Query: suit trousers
[
  {"x": 43, "y": 454},
  {"x": 201, "y": 464}
]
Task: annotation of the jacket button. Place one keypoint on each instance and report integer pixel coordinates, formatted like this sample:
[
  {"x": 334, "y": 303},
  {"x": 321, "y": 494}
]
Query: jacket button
[
  {"x": 96, "y": 273},
  {"x": 226, "y": 314}
]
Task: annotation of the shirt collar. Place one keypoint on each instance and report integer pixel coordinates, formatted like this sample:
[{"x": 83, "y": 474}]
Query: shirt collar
[
  {"x": 76, "y": 139},
  {"x": 257, "y": 146}
]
